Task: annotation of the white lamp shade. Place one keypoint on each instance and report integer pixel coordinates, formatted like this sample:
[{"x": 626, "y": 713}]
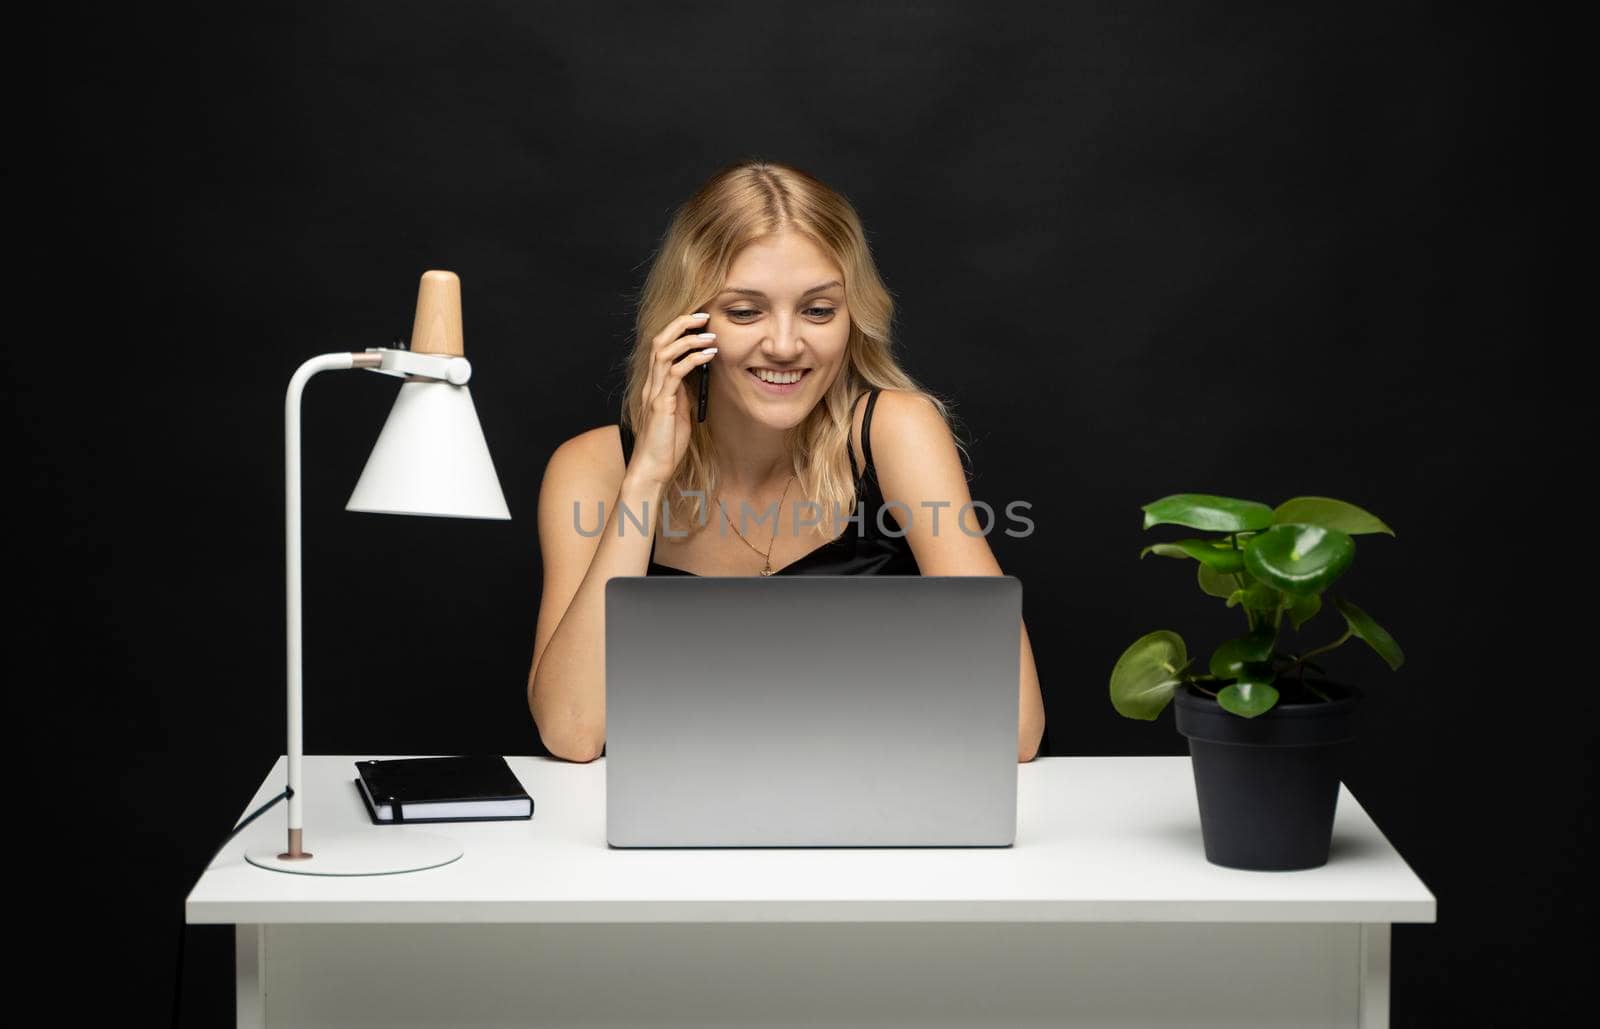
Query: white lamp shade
[{"x": 431, "y": 458}]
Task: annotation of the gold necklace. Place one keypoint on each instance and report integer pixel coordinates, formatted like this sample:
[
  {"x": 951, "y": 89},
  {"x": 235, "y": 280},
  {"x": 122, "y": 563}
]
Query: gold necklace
[{"x": 768, "y": 555}]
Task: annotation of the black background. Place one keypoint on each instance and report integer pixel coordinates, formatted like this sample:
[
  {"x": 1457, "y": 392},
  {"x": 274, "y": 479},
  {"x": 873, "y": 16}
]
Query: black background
[{"x": 1145, "y": 248}]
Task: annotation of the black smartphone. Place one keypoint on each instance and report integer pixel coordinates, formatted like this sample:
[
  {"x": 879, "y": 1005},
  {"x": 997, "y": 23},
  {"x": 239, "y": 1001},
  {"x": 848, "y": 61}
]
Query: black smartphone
[{"x": 704, "y": 389}]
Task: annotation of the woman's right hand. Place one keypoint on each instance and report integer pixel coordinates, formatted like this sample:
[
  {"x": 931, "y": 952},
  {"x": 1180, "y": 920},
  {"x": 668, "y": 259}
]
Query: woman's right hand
[{"x": 663, "y": 440}]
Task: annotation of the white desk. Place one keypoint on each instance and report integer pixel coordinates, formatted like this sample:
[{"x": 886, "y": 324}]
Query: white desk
[{"x": 1105, "y": 912}]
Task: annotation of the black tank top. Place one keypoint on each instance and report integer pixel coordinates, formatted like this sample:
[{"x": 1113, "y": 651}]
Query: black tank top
[{"x": 860, "y": 550}]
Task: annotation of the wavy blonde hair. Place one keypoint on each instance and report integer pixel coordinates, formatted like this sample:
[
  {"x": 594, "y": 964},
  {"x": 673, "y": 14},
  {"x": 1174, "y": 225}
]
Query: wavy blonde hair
[{"x": 739, "y": 204}]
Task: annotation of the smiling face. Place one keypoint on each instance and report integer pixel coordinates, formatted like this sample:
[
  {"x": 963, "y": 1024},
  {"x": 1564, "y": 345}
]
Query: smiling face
[{"x": 781, "y": 338}]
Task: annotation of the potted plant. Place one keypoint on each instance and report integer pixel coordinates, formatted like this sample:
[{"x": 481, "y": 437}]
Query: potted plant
[{"x": 1265, "y": 739}]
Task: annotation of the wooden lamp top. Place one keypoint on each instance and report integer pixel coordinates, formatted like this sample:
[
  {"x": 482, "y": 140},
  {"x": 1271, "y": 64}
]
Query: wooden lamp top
[{"x": 438, "y": 326}]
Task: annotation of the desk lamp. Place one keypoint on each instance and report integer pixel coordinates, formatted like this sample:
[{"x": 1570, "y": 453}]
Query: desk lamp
[{"x": 430, "y": 459}]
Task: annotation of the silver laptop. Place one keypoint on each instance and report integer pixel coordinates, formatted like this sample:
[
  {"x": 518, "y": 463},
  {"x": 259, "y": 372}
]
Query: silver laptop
[{"x": 812, "y": 710}]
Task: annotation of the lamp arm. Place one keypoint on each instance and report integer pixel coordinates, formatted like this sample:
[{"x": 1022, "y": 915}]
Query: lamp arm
[
  {"x": 389, "y": 361},
  {"x": 291, "y": 521},
  {"x": 407, "y": 364}
]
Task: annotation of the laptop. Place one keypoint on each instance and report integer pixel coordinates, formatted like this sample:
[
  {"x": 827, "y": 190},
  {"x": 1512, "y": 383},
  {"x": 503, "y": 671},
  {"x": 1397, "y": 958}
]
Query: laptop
[{"x": 812, "y": 711}]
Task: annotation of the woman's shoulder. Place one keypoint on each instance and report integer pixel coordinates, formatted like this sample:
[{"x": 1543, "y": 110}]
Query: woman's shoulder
[
  {"x": 592, "y": 461},
  {"x": 594, "y": 444},
  {"x": 906, "y": 429},
  {"x": 886, "y": 398},
  {"x": 905, "y": 413}
]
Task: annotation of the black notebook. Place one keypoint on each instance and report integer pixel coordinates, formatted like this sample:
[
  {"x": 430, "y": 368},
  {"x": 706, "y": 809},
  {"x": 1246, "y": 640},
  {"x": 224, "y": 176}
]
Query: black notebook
[{"x": 470, "y": 788}]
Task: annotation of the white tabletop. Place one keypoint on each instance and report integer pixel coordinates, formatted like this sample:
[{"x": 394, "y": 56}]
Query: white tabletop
[{"x": 1099, "y": 839}]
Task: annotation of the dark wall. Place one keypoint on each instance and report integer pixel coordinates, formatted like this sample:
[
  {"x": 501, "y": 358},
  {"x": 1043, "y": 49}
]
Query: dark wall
[{"x": 1248, "y": 251}]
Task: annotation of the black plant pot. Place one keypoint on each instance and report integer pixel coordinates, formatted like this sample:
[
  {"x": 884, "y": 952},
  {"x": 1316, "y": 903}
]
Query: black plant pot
[{"x": 1268, "y": 785}]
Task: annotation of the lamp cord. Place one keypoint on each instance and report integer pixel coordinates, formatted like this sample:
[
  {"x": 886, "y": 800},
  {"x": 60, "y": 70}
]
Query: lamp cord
[{"x": 183, "y": 922}]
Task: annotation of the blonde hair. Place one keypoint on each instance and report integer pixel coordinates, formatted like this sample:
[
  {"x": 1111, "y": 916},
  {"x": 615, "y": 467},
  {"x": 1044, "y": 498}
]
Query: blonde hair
[{"x": 739, "y": 204}]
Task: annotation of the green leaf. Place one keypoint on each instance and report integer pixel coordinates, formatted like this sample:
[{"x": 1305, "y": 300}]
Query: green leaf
[
  {"x": 1302, "y": 607},
  {"x": 1236, "y": 657},
  {"x": 1207, "y": 512},
  {"x": 1218, "y": 554},
  {"x": 1299, "y": 558},
  {"x": 1377, "y": 638},
  {"x": 1248, "y": 699},
  {"x": 1330, "y": 514},
  {"x": 1257, "y": 596},
  {"x": 1214, "y": 583},
  {"x": 1147, "y": 674}
]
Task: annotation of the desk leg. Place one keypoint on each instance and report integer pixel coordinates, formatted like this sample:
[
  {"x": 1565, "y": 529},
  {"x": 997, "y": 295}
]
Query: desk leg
[
  {"x": 1375, "y": 975},
  {"x": 249, "y": 977}
]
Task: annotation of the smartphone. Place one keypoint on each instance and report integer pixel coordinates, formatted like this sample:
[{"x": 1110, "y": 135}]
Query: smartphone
[{"x": 704, "y": 389}]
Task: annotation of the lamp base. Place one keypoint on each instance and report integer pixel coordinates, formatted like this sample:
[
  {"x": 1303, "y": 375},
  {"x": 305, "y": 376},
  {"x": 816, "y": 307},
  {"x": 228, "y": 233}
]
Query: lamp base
[{"x": 381, "y": 852}]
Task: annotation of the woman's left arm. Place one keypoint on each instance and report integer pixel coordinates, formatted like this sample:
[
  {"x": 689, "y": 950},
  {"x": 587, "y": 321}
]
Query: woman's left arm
[{"x": 918, "y": 466}]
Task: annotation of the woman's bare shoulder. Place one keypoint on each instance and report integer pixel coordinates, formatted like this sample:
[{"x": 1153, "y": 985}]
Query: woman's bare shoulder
[
  {"x": 907, "y": 413},
  {"x": 590, "y": 462}
]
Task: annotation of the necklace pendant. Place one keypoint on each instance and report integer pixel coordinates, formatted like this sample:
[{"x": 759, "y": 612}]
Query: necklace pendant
[{"x": 766, "y": 571}]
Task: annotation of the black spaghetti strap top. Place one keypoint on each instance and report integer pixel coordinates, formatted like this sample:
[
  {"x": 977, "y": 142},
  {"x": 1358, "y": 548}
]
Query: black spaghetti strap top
[{"x": 859, "y": 550}]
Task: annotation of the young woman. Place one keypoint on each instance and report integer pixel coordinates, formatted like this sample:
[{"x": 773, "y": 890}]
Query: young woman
[{"x": 764, "y": 283}]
